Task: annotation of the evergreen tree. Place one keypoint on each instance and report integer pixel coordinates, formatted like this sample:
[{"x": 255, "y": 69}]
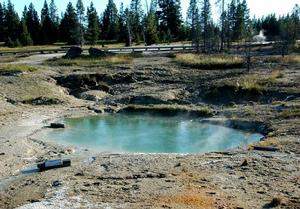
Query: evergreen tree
[
  {"x": 53, "y": 12},
  {"x": 136, "y": 20},
  {"x": 110, "y": 22},
  {"x": 122, "y": 24},
  {"x": 271, "y": 26},
  {"x": 223, "y": 22},
  {"x": 93, "y": 30},
  {"x": 230, "y": 19},
  {"x": 47, "y": 28},
  {"x": 33, "y": 24},
  {"x": 170, "y": 18},
  {"x": 11, "y": 23},
  {"x": 193, "y": 21},
  {"x": 206, "y": 21},
  {"x": 81, "y": 19},
  {"x": 69, "y": 26},
  {"x": 242, "y": 22},
  {"x": 44, "y": 12},
  {"x": 151, "y": 32},
  {"x": 295, "y": 23},
  {"x": 24, "y": 35},
  {"x": 54, "y": 21},
  {"x": 2, "y": 13}
]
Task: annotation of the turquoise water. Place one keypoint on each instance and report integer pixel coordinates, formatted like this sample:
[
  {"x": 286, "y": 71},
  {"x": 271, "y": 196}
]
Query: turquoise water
[{"x": 149, "y": 134}]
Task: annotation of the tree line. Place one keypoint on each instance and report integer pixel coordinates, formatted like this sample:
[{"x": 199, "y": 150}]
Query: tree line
[{"x": 161, "y": 21}]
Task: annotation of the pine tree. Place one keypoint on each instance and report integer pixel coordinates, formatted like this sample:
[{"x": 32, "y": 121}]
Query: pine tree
[
  {"x": 69, "y": 26},
  {"x": 93, "y": 30},
  {"x": 170, "y": 18},
  {"x": 151, "y": 32},
  {"x": 136, "y": 20},
  {"x": 231, "y": 17},
  {"x": 33, "y": 24},
  {"x": 241, "y": 21},
  {"x": 206, "y": 21},
  {"x": 81, "y": 19},
  {"x": 53, "y": 12},
  {"x": 295, "y": 23},
  {"x": 110, "y": 22},
  {"x": 11, "y": 23},
  {"x": 2, "y": 12},
  {"x": 54, "y": 21},
  {"x": 193, "y": 21},
  {"x": 122, "y": 24},
  {"x": 47, "y": 25},
  {"x": 44, "y": 12},
  {"x": 223, "y": 22},
  {"x": 24, "y": 35}
]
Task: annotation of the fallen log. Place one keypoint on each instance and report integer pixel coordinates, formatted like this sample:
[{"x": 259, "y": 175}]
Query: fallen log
[{"x": 52, "y": 164}]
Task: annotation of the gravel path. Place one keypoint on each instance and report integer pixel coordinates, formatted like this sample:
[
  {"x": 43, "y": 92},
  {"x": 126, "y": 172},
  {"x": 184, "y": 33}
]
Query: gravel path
[{"x": 37, "y": 59}]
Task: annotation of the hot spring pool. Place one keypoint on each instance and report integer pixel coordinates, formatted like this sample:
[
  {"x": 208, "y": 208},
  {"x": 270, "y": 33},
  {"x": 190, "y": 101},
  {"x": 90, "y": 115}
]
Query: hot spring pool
[{"x": 149, "y": 134}]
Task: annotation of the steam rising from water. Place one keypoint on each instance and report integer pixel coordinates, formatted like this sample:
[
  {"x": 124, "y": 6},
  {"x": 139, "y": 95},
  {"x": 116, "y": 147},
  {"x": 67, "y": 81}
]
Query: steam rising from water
[
  {"x": 260, "y": 37},
  {"x": 148, "y": 134}
]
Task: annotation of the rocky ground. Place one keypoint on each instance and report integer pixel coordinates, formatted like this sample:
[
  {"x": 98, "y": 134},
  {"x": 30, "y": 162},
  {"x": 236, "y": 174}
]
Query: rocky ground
[{"x": 266, "y": 99}]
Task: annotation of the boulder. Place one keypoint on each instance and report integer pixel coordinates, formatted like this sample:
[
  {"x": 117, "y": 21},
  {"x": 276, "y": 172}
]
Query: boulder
[
  {"x": 73, "y": 52},
  {"x": 94, "y": 52}
]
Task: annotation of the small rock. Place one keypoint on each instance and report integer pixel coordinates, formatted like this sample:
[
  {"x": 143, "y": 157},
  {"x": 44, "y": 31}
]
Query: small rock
[
  {"x": 57, "y": 125},
  {"x": 245, "y": 162},
  {"x": 79, "y": 174},
  {"x": 56, "y": 183},
  {"x": 177, "y": 165},
  {"x": 275, "y": 202},
  {"x": 2, "y": 153}
]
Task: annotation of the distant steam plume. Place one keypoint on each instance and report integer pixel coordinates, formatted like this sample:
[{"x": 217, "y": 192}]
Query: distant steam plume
[{"x": 260, "y": 37}]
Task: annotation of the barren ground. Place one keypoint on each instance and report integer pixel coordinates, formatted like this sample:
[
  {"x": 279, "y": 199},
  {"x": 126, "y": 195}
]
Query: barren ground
[{"x": 266, "y": 99}]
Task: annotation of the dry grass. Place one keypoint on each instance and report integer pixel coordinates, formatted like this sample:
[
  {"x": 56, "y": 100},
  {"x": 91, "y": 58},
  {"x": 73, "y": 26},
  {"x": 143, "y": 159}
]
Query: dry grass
[
  {"x": 16, "y": 68},
  {"x": 250, "y": 83},
  {"x": 88, "y": 61},
  {"x": 28, "y": 48},
  {"x": 7, "y": 59},
  {"x": 209, "y": 61},
  {"x": 258, "y": 82},
  {"x": 288, "y": 59},
  {"x": 271, "y": 141}
]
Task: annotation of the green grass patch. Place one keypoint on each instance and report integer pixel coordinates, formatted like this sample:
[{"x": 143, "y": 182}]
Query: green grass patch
[
  {"x": 170, "y": 110},
  {"x": 16, "y": 68},
  {"x": 86, "y": 60},
  {"x": 209, "y": 61}
]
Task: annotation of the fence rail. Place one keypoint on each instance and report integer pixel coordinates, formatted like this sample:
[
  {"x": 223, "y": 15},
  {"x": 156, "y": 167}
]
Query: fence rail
[
  {"x": 120, "y": 50},
  {"x": 171, "y": 48}
]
